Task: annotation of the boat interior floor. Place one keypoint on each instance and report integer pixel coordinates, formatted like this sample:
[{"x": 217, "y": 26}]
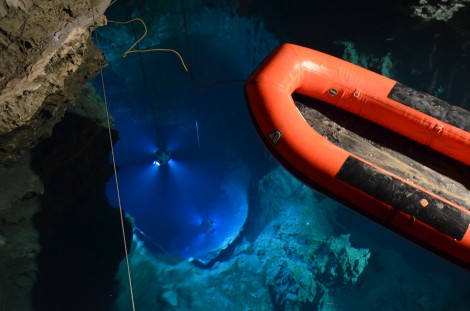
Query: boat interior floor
[{"x": 397, "y": 154}]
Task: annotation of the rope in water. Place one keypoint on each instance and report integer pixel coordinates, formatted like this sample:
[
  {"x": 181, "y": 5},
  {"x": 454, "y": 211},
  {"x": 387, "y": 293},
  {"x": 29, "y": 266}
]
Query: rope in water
[
  {"x": 121, "y": 214},
  {"x": 186, "y": 68},
  {"x": 128, "y": 51},
  {"x": 198, "y": 83},
  {"x": 131, "y": 49},
  {"x": 117, "y": 190}
]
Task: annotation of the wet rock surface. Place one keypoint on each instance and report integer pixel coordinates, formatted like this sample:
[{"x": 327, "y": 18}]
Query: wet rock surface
[
  {"x": 19, "y": 244},
  {"x": 79, "y": 232},
  {"x": 47, "y": 54},
  {"x": 292, "y": 264}
]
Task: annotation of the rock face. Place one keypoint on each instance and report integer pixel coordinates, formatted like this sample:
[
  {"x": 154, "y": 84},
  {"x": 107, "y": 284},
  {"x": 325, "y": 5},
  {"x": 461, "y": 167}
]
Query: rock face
[
  {"x": 295, "y": 263},
  {"x": 79, "y": 232},
  {"x": 47, "y": 54},
  {"x": 19, "y": 187}
]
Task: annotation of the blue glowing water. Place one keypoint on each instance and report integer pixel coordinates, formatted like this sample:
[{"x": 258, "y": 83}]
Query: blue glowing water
[
  {"x": 184, "y": 206},
  {"x": 197, "y": 204}
]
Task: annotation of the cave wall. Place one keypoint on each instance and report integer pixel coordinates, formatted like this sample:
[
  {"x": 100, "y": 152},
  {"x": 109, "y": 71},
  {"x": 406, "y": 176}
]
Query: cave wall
[
  {"x": 79, "y": 231},
  {"x": 47, "y": 54},
  {"x": 19, "y": 187}
]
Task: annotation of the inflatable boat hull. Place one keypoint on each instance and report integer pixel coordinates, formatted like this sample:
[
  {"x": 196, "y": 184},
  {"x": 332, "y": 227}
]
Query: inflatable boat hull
[{"x": 428, "y": 210}]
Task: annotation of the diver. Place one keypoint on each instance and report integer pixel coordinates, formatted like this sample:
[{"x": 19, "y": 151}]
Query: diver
[
  {"x": 208, "y": 226},
  {"x": 162, "y": 156}
]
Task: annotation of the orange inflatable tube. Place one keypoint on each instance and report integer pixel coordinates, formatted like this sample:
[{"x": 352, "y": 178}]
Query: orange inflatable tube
[{"x": 416, "y": 213}]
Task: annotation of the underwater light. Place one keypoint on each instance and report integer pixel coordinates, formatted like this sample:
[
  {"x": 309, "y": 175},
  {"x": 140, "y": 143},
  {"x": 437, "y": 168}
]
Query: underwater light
[{"x": 162, "y": 156}]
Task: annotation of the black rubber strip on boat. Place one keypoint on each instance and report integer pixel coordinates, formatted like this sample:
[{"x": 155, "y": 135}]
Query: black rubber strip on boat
[
  {"x": 432, "y": 106},
  {"x": 404, "y": 197}
]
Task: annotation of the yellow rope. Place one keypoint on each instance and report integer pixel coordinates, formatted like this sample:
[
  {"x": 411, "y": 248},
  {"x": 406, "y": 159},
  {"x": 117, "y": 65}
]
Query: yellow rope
[{"x": 131, "y": 49}]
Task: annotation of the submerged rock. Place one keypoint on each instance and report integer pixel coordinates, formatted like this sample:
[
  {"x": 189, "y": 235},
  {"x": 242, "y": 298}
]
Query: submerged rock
[
  {"x": 292, "y": 264},
  {"x": 171, "y": 297},
  {"x": 337, "y": 263},
  {"x": 304, "y": 259}
]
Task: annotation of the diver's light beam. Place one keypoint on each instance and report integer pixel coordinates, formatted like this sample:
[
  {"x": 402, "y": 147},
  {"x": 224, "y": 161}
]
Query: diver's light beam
[
  {"x": 197, "y": 134},
  {"x": 149, "y": 238}
]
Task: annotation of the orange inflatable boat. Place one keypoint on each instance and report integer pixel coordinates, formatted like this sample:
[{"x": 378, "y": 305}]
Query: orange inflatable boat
[{"x": 399, "y": 156}]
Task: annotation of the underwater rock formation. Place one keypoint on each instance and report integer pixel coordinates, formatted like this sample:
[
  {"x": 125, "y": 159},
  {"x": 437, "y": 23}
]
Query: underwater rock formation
[
  {"x": 292, "y": 264},
  {"x": 392, "y": 284},
  {"x": 442, "y": 10},
  {"x": 382, "y": 64},
  {"x": 302, "y": 256}
]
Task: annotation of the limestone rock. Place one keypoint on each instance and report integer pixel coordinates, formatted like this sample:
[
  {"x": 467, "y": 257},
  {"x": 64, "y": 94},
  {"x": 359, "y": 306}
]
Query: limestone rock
[
  {"x": 47, "y": 54},
  {"x": 170, "y": 297},
  {"x": 442, "y": 10},
  {"x": 19, "y": 245}
]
